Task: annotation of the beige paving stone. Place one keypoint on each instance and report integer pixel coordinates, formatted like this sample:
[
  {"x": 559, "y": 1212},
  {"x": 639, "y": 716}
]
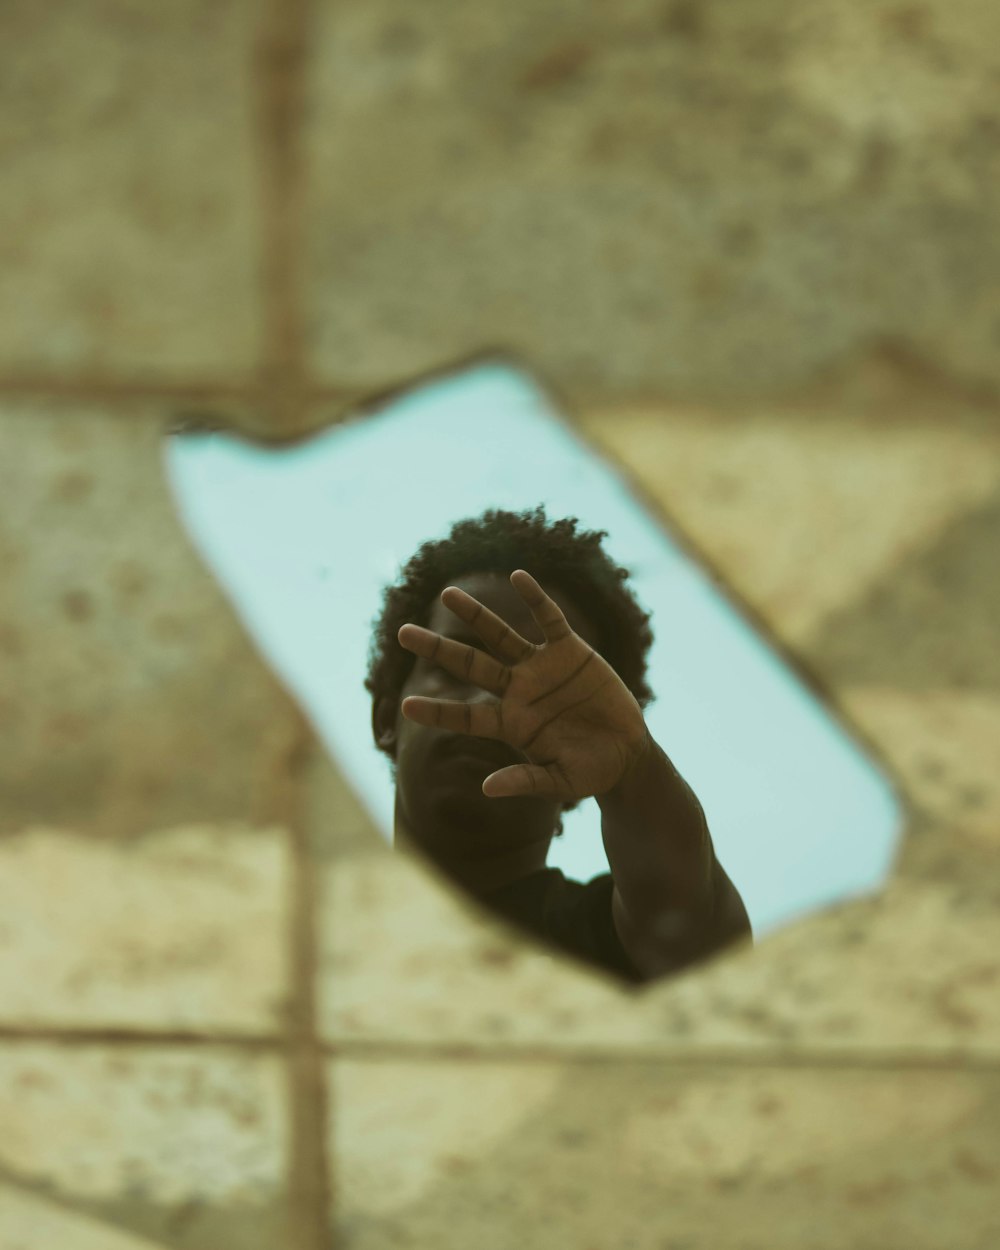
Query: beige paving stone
[
  {"x": 942, "y": 744},
  {"x": 653, "y": 198},
  {"x": 172, "y": 1145},
  {"x": 404, "y": 957},
  {"x": 909, "y": 973},
  {"x": 931, "y": 624},
  {"x": 128, "y": 223},
  {"x": 804, "y": 512},
  {"x": 660, "y": 1156},
  {"x": 130, "y": 696},
  {"x": 31, "y": 1223},
  {"x": 180, "y": 929}
]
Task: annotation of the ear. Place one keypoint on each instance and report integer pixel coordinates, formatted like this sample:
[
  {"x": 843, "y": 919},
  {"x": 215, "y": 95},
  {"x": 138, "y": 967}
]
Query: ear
[{"x": 384, "y": 725}]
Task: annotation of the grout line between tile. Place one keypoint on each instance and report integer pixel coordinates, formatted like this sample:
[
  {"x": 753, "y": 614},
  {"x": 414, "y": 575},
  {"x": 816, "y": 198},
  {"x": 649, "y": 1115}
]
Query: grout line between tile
[
  {"x": 97, "y": 1035},
  {"x": 309, "y": 1176},
  {"x": 280, "y": 83},
  {"x": 124, "y": 390},
  {"x": 373, "y": 1050},
  {"x": 309, "y": 1075}
]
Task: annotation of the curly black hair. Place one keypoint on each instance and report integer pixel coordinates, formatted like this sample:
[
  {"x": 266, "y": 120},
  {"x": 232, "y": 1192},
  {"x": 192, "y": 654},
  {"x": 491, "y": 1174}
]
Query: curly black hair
[{"x": 499, "y": 542}]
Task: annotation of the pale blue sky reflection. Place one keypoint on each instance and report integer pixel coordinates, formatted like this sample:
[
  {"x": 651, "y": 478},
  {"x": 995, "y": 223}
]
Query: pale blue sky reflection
[{"x": 304, "y": 539}]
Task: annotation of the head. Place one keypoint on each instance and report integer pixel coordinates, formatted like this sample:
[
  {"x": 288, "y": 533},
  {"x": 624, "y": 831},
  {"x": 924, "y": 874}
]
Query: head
[{"x": 439, "y": 795}]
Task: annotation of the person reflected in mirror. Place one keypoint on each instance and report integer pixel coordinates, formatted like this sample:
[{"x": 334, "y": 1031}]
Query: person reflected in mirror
[{"x": 507, "y": 675}]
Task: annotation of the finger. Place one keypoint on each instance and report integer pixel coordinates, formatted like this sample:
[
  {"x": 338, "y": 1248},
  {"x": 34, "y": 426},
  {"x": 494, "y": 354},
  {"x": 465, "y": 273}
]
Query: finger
[
  {"x": 462, "y": 661},
  {"x": 545, "y": 610},
  {"x": 479, "y": 719},
  {"x": 496, "y": 633},
  {"x": 523, "y": 780}
]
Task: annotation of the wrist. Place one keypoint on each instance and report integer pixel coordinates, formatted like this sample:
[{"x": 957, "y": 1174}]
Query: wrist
[{"x": 634, "y": 777}]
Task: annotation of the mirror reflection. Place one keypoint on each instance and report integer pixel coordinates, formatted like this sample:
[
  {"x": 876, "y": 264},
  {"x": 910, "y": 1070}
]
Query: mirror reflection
[
  {"x": 520, "y": 698},
  {"x": 530, "y": 682}
]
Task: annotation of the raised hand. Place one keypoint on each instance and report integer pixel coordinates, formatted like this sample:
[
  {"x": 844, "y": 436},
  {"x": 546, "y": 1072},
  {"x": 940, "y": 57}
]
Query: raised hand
[{"x": 559, "y": 704}]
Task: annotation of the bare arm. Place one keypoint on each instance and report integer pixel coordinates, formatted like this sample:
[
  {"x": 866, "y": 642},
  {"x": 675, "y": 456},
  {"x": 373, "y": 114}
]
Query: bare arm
[{"x": 673, "y": 903}]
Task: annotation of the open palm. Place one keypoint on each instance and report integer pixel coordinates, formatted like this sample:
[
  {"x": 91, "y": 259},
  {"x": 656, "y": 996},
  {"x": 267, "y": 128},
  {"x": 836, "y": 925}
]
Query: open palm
[{"x": 559, "y": 704}]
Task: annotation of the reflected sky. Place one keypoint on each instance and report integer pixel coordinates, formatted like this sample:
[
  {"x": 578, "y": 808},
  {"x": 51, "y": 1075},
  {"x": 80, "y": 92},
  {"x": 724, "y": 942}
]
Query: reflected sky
[{"x": 304, "y": 539}]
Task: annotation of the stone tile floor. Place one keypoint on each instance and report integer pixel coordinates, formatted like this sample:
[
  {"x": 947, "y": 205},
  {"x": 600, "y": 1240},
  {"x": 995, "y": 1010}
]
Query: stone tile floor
[{"x": 228, "y": 1017}]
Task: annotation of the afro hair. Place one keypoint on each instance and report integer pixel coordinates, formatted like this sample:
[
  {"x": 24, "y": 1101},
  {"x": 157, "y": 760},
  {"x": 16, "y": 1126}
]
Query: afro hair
[{"x": 554, "y": 552}]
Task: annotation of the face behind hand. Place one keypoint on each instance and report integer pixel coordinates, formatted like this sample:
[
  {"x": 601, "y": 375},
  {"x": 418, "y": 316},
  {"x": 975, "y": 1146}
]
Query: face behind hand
[{"x": 439, "y": 774}]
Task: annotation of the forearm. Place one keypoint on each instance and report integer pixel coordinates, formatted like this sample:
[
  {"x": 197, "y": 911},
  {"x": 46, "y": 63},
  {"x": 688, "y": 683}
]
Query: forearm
[{"x": 662, "y": 860}]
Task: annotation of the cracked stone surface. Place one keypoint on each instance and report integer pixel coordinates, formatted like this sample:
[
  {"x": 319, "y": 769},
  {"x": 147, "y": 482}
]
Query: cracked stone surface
[
  {"x": 756, "y": 248},
  {"x": 129, "y": 694},
  {"x": 698, "y": 200},
  {"x": 165, "y": 1146},
  {"x": 117, "y": 259}
]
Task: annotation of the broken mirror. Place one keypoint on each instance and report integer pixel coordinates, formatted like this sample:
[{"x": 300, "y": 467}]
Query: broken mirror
[{"x": 529, "y": 678}]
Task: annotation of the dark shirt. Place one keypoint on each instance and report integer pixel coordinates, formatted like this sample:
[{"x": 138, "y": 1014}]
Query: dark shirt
[{"x": 572, "y": 916}]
